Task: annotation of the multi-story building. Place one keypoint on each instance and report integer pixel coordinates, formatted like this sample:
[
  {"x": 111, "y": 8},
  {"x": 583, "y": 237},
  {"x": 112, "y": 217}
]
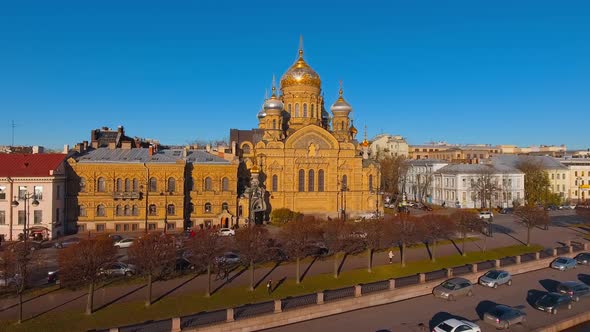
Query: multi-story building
[
  {"x": 417, "y": 184},
  {"x": 466, "y": 154},
  {"x": 295, "y": 159},
  {"x": 388, "y": 145},
  {"x": 32, "y": 192},
  {"x": 460, "y": 185},
  {"x": 579, "y": 178}
]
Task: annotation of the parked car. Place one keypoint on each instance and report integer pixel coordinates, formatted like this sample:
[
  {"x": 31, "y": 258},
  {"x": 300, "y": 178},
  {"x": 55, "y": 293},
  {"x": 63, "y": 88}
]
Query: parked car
[
  {"x": 495, "y": 278},
  {"x": 486, "y": 215},
  {"x": 182, "y": 264},
  {"x": 453, "y": 288},
  {"x": 227, "y": 232},
  {"x": 8, "y": 281},
  {"x": 551, "y": 208},
  {"x": 457, "y": 325},
  {"x": 115, "y": 237},
  {"x": 125, "y": 243},
  {"x": 574, "y": 289},
  {"x": 228, "y": 258},
  {"x": 53, "y": 277},
  {"x": 118, "y": 269},
  {"x": 426, "y": 207},
  {"x": 550, "y": 302},
  {"x": 502, "y": 316},
  {"x": 316, "y": 249},
  {"x": 583, "y": 258},
  {"x": 67, "y": 242},
  {"x": 563, "y": 263},
  {"x": 506, "y": 210}
]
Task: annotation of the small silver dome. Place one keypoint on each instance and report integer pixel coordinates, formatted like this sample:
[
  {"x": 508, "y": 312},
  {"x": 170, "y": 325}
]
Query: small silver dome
[
  {"x": 273, "y": 104},
  {"x": 341, "y": 105},
  {"x": 261, "y": 114}
]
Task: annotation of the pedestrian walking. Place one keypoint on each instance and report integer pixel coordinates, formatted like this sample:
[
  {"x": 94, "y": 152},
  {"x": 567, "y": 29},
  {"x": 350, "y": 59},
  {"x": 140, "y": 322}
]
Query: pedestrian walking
[
  {"x": 269, "y": 286},
  {"x": 391, "y": 256}
]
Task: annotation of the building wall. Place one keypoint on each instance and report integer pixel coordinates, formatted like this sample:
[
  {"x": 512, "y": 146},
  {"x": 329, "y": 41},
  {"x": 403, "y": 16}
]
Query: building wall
[
  {"x": 51, "y": 205},
  {"x": 578, "y": 177},
  {"x": 388, "y": 145},
  {"x": 200, "y": 195},
  {"x": 85, "y": 202}
]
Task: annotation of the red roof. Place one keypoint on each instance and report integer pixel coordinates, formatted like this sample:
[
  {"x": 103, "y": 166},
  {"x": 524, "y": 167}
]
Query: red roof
[{"x": 25, "y": 165}]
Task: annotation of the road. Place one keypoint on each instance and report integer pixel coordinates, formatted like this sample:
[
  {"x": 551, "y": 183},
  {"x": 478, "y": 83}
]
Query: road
[{"x": 429, "y": 311}]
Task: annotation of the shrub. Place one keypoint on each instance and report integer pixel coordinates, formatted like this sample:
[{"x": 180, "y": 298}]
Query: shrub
[{"x": 283, "y": 216}]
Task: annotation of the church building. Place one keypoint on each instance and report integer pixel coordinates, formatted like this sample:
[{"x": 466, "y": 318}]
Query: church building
[{"x": 303, "y": 158}]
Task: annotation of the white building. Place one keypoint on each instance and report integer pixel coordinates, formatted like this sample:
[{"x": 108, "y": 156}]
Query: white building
[
  {"x": 37, "y": 183},
  {"x": 417, "y": 185},
  {"x": 455, "y": 185},
  {"x": 389, "y": 145}
]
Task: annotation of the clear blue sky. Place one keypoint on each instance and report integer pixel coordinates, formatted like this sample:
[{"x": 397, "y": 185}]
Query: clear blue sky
[{"x": 500, "y": 72}]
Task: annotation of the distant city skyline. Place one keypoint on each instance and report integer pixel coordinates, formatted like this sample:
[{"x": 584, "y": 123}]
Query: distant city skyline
[{"x": 462, "y": 72}]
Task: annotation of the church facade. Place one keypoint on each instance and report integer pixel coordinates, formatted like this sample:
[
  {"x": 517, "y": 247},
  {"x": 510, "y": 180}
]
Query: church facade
[{"x": 303, "y": 158}]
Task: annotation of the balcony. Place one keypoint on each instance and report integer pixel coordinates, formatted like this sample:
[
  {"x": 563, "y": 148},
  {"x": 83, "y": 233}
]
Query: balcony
[{"x": 126, "y": 195}]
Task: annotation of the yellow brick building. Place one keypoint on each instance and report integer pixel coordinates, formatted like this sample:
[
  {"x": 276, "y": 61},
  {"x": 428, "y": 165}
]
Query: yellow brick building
[{"x": 302, "y": 158}]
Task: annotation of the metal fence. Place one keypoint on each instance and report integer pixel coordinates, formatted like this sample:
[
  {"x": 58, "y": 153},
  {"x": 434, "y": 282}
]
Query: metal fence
[
  {"x": 485, "y": 265},
  {"x": 461, "y": 270},
  {"x": 250, "y": 310},
  {"x": 506, "y": 261},
  {"x": 546, "y": 253},
  {"x": 438, "y": 274},
  {"x": 375, "y": 286},
  {"x": 203, "y": 318},
  {"x": 337, "y": 294},
  {"x": 157, "y": 326},
  {"x": 299, "y": 301},
  {"x": 563, "y": 250}
]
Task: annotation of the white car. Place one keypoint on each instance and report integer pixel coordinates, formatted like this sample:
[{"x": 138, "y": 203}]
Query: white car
[
  {"x": 486, "y": 215},
  {"x": 227, "y": 232},
  {"x": 125, "y": 243},
  {"x": 456, "y": 325}
]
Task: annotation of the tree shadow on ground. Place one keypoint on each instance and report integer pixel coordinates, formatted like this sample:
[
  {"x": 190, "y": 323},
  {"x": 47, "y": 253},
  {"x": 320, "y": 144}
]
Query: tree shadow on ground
[
  {"x": 120, "y": 297},
  {"x": 506, "y": 231},
  {"x": 427, "y": 245},
  {"x": 56, "y": 307},
  {"x": 244, "y": 269},
  {"x": 275, "y": 287},
  {"x": 441, "y": 317},
  {"x": 533, "y": 295},
  {"x": 266, "y": 275},
  {"x": 483, "y": 307},
  {"x": 31, "y": 298},
  {"x": 456, "y": 247},
  {"x": 175, "y": 288},
  {"x": 315, "y": 258},
  {"x": 549, "y": 284},
  {"x": 342, "y": 262}
]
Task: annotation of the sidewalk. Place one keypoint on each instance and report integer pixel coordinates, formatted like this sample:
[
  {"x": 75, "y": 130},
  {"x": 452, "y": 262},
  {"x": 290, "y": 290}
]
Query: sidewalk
[{"x": 507, "y": 233}]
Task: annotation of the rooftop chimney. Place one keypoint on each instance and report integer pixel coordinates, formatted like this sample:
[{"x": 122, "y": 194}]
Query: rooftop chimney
[
  {"x": 66, "y": 149},
  {"x": 151, "y": 150}
]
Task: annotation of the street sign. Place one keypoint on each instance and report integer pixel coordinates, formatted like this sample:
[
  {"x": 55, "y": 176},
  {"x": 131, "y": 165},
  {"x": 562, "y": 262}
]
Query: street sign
[{"x": 585, "y": 186}]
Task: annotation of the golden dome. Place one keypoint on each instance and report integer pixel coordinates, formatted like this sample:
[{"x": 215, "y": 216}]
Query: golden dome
[
  {"x": 300, "y": 73},
  {"x": 353, "y": 130},
  {"x": 365, "y": 143}
]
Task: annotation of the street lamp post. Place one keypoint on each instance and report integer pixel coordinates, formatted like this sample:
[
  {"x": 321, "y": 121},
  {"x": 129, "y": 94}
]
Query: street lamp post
[
  {"x": 165, "y": 194},
  {"x": 26, "y": 198},
  {"x": 579, "y": 181}
]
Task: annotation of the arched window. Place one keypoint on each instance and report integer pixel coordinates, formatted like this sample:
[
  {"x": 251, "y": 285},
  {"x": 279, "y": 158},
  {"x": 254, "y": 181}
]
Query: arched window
[
  {"x": 135, "y": 210},
  {"x": 246, "y": 148},
  {"x": 224, "y": 206},
  {"x": 289, "y": 108},
  {"x": 342, "y": 126},
  {"x": 82, "y": 210},
  {"x": 275, "y": 183},
  {"x": 301, "y": 180},
  {"x": 296, "y": 110},
  {"x": 135, "y": 185},
  {"x": 100, "y": 211},
  {"x": 119, "y": 185},
  {"x": 127, "y": 210},
  {"x": 171, "y": 210},
  {"x": 82, "y": 185},
  {"x": 225, "y": 184},
  {"x": 119, "y": 210},
  {"x": 208, "y": 207},
  {"x": 371, "y": 183},
  {"x": 101, "y": 185},
  {"x": 127, "y": 185},
  {"x": 274, "y": 124},
  {"x": 305, "y": 110},
  {"x": 310, "y": 180},
  {"x": 208, "y": 184},
  {"x": 321, "y": 180},
  {"x": 153, "y": 210},
  {"x": 171, "y": 185},
  {"x": 344, "y": 182},
  {"x": 312, "y": 111},
  {"x": 153, "y": 184}
]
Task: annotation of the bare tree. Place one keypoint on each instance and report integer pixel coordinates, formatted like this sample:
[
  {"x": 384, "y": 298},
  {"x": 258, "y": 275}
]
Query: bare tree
[
  {"x": 335, "y": 233},
  {"x": 466, "y": 222},
  {"x": 423, "y": 182},
  {"x": 251, "y": 243},
  {"x": 154, "y": 256},
  {"x": 81, "y": 263},
  {"x": 401, "y": 230},
  {"x": 485, "y": 185},
  {"x": 202, "y": 251},
  {"x": 371, "y": 232},
  {"x": 434, "y": 228},
  {"x": 17, "y": 260},
  {"x": 296, "y": 236},
  {"x": 532, "y": 216},
  {"x": 393, "y": 174}
]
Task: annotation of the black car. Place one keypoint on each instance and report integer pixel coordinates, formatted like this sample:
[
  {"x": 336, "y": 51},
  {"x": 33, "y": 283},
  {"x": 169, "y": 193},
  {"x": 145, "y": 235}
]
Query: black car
[
  {"x": 182, "y": 264},
  {"x": 506, "y": 211},
  {"x": 551, "y": 302},
  {"x": 574, "y": 289},
  {"x": 502, "y": 316},
  {"x": 53, "y": 277},
  {"x": 583, "y": 258}
]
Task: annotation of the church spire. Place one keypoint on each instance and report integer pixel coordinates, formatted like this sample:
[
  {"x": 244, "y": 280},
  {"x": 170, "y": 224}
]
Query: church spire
[
  {"x": 301, "y": 46},
  {"x": 274, "y": 88}
]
